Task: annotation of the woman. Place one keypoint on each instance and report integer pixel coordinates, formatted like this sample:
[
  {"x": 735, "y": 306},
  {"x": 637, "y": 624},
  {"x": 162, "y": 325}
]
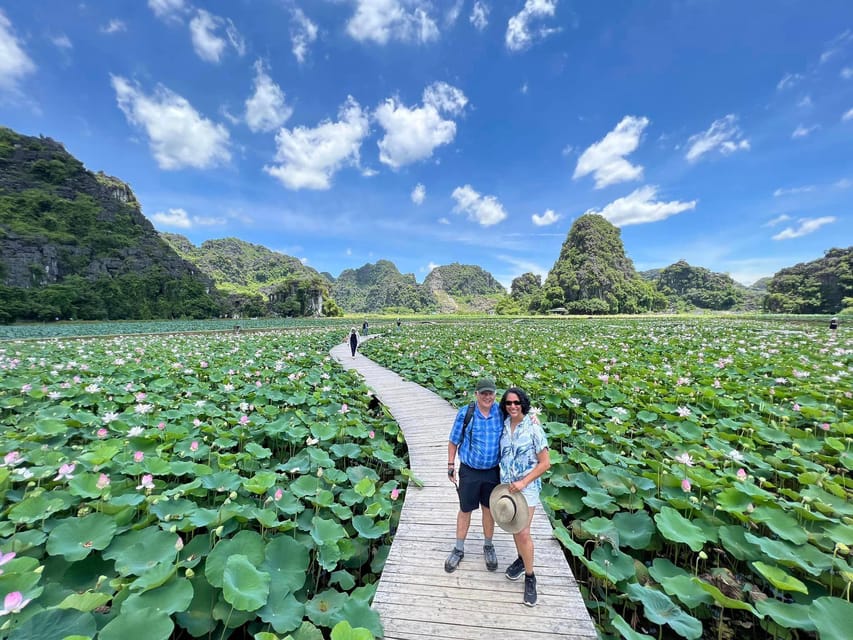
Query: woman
[
  {"x": 353, "y": 341},
  {"x": 524, "y": 458}
]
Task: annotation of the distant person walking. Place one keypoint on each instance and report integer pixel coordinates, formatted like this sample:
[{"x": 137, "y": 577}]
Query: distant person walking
[
  {"x": 353, "y": 341},
  {"x": 833, "y": 324},
  {"x": 364, "y": 328}
]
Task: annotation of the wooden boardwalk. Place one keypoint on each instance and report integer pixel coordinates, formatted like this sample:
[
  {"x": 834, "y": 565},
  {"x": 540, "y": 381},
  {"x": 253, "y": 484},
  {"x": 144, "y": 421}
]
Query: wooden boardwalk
[{"x": 416, "y": 599}]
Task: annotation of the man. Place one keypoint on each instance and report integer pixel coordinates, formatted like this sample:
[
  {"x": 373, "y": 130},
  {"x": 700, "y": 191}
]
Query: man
[{"x": 479, "y": 473}]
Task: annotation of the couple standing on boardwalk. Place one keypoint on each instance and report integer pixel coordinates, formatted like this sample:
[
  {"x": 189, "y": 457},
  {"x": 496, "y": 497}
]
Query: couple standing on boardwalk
[{"x": 502, "y": 453}]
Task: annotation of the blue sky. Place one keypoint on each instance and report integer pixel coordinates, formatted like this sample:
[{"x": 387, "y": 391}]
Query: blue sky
[{"x": 435, "y": 131}]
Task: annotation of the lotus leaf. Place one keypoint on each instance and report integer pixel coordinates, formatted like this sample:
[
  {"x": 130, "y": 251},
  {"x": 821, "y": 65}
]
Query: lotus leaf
[
  {"x": 261, "y": 482},
  {"x": 247, "y": 543},
  {"x": 84, "y": 601},
  {"x": 222, "y": 481},
  {"x": 661, "y": 610},
  {"x": 307, "y": 631},
  {"x": 831, "y": 617},
  {"x": 346, "y": 450},
  {"x": 368, "y": 528},
  {"x": 635, "y": 529},
  {"x": 673, "y": 526},
  {"x": 140, "y": 624},
  {"x": 34, "y": 508},
  {"x": 617, "y": 566},
  {"x": 171, "y": 509},
  {"x": 203, "y": 517},
  {"x": 360, "y": 614},
  {"x": 806, "y": 557},
  {"x": 790, "y": 616},
  {"x": 344, "y": 631},
  {"x": 723, "y": 600},
  {"x": 365, "y": 487},
  {"x": 735, "y": 541},
  {"x": 842, "y": 533},
  {"x": 779, "y": 578},
  {"x": 50, "y": 427},
  {"x": 324, "y": 498},
  {"x": 284, "y": 613},
  {"x": 305, "y": 486},
  {"x": 257, "y": 451},
  {"x": 320, "y": 458},
  {"x": 55, "y": 624},
  {"x": 154, "y": 577},
  {"x": 75, "y": 538},
  {"x": 601, "y": 500},
  {"x": 329, "y": 555},
  {"x": 821, "y": 497},
  {"x": 173, "y": 596},
  {"x": 624, "y": 628},
  {"x": 782, "y": 524},
  {"x": 286, "y": 561},
  {"x": 647, "y": 416},
  {"x": 324, "y": 430},
  {"x": 355, "y": 474},
  {"x": 26, "y": 540},
  {"x": 243, "y": 585},
  {"x": 325, "y": 608},
  {"x": 196, "y": 618}
]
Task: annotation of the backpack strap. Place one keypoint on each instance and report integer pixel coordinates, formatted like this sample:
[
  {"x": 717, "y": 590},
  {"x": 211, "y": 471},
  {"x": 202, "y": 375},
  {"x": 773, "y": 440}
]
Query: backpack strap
[{"x": 469, "y": 415}]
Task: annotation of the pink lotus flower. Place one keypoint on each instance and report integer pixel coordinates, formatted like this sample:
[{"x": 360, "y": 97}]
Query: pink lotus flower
[
  {"x": 685, "y": 485},
  {"x": 13, "y": 603},
  {"x": 796, "y": 407},
  {"x": 344, "y": 408},
  {"x": 824, "y": 426},
  {"x": 65, "y": 472},
  {"x": 161, "y": 425},
  {"x": 11, "y": 459},
  {"x": 140, "y": 397},
  {"x": 685, "y": 458},
  {"x": 278, "y": 494},
  {"x": 194, "y": 446},
  {"x": 179, "y": 544},
  {"x": 103, "y": 481},
  {"x": 204, "y": 364},
  {"x": 395, "y": 493},
  {"x": 26, "y": 388},
  {"x": 371, "y": 435},
  {"x": 741, "y": 474},
  {"x": 5, "y": 557},
  {"x": 147, "y": 482},
  {"x": 138, "y": 456},
  {"x": 244, "y": 420}
]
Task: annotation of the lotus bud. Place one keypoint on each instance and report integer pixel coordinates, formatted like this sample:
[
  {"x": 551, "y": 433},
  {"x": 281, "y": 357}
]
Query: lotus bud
[
  {"x": 39, "y": 569},
  {"x": 173, "y": 528},
  {"x": 218, "y": 531},
  {"x": 189, "y": 573},
  {"x": 320, "y": 472},
  {"x": 233, "y": 495},
  {"x": 842, "y": 548},
  {"x": 703, "y": 555}
]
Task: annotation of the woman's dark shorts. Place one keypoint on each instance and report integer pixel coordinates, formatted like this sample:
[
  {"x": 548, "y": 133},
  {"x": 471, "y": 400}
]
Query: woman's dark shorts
[{"x": 475, "y": 487}]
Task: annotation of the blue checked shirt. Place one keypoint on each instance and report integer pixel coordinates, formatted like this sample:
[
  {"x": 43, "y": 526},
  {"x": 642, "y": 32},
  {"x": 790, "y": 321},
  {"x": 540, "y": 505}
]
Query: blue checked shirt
[{"x": 481, "y": 449}]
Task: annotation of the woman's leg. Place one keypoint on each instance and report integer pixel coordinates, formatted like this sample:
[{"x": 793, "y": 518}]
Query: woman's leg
[{"x": 524, "y": 544}]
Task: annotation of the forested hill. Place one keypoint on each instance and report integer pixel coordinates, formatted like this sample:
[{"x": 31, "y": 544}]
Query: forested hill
[
  {"x": 75, "y": 244},
  {"x": 462, "y": 280},
  {"x": 824, "y": 285},
  {"x": 686, "y": 286},
  {"x": 238, "y": 266},
  {"x": 380, "y": 287}
]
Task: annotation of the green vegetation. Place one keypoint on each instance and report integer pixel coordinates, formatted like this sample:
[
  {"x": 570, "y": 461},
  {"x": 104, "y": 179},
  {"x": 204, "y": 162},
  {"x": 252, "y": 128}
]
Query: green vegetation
[
  {"x": 375, "y": 287},
  {"x": 462, "y": 280},
  {"x": 699, "y": 287},
  {"x": 821, "y": 286}
]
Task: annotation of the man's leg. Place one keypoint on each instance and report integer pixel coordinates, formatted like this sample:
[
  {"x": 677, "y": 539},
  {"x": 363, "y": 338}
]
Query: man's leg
[
  {"x": 488, "y": 523},
  {"x": 463, "y": 522}
]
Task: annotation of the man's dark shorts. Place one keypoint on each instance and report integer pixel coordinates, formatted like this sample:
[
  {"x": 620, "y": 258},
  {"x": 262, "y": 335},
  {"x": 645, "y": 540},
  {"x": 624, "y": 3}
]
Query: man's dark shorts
[{"x": 475, "y": 487}]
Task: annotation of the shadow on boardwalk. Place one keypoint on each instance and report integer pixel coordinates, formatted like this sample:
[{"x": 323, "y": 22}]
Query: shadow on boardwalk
[{"x": 416, "y": 599}]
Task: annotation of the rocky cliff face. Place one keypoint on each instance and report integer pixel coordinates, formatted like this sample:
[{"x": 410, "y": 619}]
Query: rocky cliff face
[{"x": 59, "y": 219}]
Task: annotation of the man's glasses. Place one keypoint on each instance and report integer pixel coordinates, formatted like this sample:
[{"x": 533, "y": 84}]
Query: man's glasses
[{"x": 515, "y": 402}]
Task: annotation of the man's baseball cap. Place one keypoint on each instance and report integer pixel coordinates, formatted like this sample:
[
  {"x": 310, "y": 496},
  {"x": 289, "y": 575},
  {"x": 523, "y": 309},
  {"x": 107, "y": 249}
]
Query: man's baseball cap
[{"x": 485, "y": 384}]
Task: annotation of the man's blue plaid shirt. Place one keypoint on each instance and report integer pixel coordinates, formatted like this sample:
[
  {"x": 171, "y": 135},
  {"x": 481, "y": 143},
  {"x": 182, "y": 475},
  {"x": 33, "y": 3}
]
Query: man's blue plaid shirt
[{"x": 482, "y": 446}]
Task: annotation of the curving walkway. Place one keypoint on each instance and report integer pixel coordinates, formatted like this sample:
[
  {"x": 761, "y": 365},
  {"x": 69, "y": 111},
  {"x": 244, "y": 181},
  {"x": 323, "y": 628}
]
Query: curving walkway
[{"x": 416, "y": 599}]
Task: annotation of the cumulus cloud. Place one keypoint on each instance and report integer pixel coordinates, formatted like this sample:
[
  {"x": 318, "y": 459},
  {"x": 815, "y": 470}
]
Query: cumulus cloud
[
  {"x": 480, "y": 15},
  {"x": 519, "y": 32},
  {"x": 412, "y": 134},
  {"x": 310, "y": 157},
  {"x": 605, "y": 159},
  {"x": 847, "y": 116},
  {"x": 14, "y": 62},
  {"x": 168, "y": 10},
  {"x": 419, "y": 194},
  {"x": 265, "y": 108},
  {"x": 549, "y": 217},
  {"x": 177, "y": 134},
  {"x": 384, "y": 20},
  {"x": 640, "y": 207},
  {"x": 114, "y": 26},
  {"x": 792, "y": 190},
  {"x": 777, "y": 220},
  {"x": 723, "y": 134},
  {"x": 208, "y": 44},
  {"x": 180, "y": 219},
  {"x": 788, "y": 81},
  {"x": 802, "y": 131},
  {"x": 303, "y": 33},
  {"x": 804, "y": 227},
  {"x": 486, "y": 210}
]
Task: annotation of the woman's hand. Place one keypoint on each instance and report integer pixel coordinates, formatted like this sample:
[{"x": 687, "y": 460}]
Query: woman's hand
[{"x": 517, "y": 486}]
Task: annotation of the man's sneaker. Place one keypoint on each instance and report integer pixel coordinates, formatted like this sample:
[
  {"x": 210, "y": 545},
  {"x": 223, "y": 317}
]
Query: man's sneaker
[
  {"x": 453, "y": 560},
  {"x": 490, "y": 556},
  {"x": 530, "y": 590},
  {"x": 515, "y": 570}
]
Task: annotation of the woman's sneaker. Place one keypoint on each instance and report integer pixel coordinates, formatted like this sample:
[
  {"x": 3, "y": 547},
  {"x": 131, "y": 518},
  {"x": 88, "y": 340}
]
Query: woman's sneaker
[
  {"x": 515, "y": 570},
  {"x": 530, "y": 590}
]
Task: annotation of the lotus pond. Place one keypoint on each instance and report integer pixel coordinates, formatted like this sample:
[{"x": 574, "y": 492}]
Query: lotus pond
[
  {"x": 700, "y": 478},
  {"x": 177, "y": 486}
]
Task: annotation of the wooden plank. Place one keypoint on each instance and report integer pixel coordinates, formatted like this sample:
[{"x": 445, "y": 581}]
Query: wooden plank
[{"x": 415, "y": 598}]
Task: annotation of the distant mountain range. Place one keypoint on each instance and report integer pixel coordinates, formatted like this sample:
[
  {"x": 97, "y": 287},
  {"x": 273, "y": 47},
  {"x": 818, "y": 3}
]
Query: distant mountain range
[{"x": 75, "y": 244}]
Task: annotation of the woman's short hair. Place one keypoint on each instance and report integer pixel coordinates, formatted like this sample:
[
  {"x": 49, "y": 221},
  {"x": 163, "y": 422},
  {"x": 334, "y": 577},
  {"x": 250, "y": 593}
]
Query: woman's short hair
[{"x": 522, "y": 396}]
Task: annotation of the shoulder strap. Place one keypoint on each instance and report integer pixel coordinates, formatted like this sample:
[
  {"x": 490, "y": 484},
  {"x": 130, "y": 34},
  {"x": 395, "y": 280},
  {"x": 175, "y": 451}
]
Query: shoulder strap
[{"x": 469, "y": 415}]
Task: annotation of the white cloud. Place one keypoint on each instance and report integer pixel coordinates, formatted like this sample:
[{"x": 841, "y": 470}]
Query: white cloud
[
  {"x": 443, "y": 221},
  {"x": 412, "y": 134},
  {"x": 486, "y": 210},
  {"x": 519, "y": 34},
  {"x": 802, "y": 132},
  {"x": 723, "y": 134},
  {"x": 180, "y": 219},
  {"x": 549, "y": 217},
  {"x": 169, "y": 10},
  {"x": 266, "y": 109},
  {"x": 806, "y": 226},
  {"x": 385, "y": 20},
  {"x": 605, "y": 158},
  {"x": 177, "y": 134},
  {"x": 793, "y": 190},
  {"x": 208, "y": 45},
  {"x": 777, "y": 220},
  {"x": 114, "y": 26},
  {"x": 788, "y": 81},
  {"x": 310, "y": 157},
  {"x": 847, "y": 73},
  {"x": 431, "y": 266},
  {"x": 844, "y": 183},
  {"x": 847, "y": 116},
  {"x": 805, "y": 102},
  {"x": 303, "y": 33},
  {"x": 453, "y": 12},
  {"x": 14, "y": 62},
  {"x": 62, "y": 42},
  {"x": 480, "y": 15},
  {"x": 419, "y": 194},
  {"x": 368, "y": 172},
  {"x": 837, "y": 45},
  {"x": 640, "y": 207}
]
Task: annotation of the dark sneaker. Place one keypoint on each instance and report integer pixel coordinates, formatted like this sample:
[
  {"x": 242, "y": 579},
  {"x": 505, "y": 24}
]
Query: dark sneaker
[
  {"x": 515, "y": 570},
  {"x": 530, "y": 590},
  {"x": 453, "y": 560},
  {"x": 490, "y": 556}
]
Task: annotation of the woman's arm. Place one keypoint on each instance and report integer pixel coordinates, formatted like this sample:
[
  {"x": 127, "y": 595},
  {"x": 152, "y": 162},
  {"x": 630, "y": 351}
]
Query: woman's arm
[{"x": 543, "y": 463}]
